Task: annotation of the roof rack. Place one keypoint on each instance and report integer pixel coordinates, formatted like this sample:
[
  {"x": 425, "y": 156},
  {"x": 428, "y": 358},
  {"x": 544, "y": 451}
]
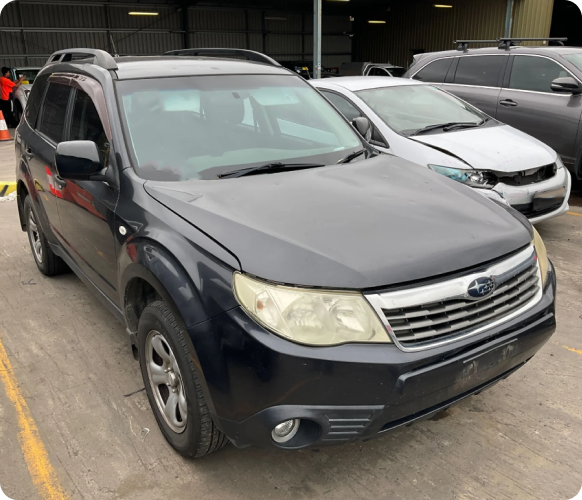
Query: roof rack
[
  {"x": 99, "y": 57},
  {"x": 250, "y": 55},
  {"x": 463, "y": 45},
  {"x": 507, "y": 43}
]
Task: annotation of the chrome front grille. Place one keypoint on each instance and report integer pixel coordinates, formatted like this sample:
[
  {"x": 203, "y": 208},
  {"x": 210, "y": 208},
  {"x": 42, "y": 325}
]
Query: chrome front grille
[{"x": 427, "y": 316}]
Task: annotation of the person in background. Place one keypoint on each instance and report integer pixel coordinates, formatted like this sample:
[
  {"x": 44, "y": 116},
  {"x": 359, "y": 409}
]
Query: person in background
[{"x": 7, "y": 86}]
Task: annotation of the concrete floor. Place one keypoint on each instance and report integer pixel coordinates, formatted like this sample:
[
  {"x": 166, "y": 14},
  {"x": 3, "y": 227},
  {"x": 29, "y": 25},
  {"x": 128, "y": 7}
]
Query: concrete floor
[{"x": 520, "y": 440}]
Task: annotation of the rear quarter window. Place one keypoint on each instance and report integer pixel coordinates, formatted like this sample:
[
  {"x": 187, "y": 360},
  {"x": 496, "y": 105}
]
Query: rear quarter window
[
  {"x": 35, "y": 99},
  {"x": 434, "y": 72}
]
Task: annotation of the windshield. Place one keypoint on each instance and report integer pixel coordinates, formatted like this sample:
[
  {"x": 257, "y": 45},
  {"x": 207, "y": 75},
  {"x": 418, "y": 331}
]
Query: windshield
[
  {"x": 201, "y": 127},
  {"x": 30, "y": 74},
  {"x": 575, "y": 59},
  {"x": 410, "y": 108}
]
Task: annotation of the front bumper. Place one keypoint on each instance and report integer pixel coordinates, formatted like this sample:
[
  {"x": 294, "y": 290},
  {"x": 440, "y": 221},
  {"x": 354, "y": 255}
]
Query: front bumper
[
  {"x": 522, "y": 197},
  {"x": 254, "y": 379}
]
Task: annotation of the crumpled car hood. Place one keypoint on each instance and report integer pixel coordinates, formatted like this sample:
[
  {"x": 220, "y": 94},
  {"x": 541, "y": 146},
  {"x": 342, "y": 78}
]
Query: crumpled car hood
[{"x": 501, "y": 148}]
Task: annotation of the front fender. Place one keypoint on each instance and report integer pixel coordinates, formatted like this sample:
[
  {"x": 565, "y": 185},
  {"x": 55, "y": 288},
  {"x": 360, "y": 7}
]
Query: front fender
[{"x": 195, "y": 298}]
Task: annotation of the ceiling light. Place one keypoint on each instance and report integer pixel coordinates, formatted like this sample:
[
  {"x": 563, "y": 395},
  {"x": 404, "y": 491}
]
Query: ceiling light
[
  {"x": 144, "y": 13},
  {"x": 377, "y": 22},
  {"x": 441, "y": 6}
]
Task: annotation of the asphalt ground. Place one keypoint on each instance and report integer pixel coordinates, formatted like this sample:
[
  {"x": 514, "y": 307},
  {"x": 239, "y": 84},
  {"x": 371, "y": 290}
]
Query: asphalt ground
[{"x": 68, "y": 428}]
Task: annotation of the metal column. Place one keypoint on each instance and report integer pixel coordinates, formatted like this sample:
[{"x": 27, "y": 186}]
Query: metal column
[
  {"x": 317, "y": 38},
  {"x": 509, "y": 18}
]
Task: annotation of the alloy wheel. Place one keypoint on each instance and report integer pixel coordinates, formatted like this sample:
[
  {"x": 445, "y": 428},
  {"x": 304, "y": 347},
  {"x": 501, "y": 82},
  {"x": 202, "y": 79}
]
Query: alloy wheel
[
  {"x": 166, "y": 381},
  {"x": 34, "y": 235}
]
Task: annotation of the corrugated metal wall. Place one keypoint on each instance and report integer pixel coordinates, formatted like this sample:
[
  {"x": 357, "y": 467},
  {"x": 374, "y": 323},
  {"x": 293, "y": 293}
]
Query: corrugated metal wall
[
  {"x": 37, "y": 30},
  {"x": 419, "y": 26}
]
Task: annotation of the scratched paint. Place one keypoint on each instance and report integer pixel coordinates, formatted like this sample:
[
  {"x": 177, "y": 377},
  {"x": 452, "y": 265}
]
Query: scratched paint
[
  {"x": 39, "y": 466},
  {"x": 572, "y": 349}
]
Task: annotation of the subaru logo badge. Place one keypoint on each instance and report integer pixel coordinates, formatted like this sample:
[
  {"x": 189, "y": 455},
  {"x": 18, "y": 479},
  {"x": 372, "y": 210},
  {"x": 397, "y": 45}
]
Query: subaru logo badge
[{"x": 481, "y": 287}]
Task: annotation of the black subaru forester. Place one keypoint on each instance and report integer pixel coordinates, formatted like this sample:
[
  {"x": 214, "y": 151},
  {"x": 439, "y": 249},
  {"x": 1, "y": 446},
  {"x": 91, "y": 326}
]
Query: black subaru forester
[{"x": 281, "y": 283}]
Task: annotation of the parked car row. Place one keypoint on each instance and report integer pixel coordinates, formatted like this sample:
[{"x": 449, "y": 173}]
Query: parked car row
[{"x": 282, "y": 281}]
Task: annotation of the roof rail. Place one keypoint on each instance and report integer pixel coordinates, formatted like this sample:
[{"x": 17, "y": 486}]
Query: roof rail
[
  {"x": 507, "y": 43},
  {"x": 250, "y": 55},
  {"x": 99, "y": 57}
]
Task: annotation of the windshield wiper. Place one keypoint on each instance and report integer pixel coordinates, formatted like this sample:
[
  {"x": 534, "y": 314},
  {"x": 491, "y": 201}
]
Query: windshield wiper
[
  {"x": 352, "y": 156},
  {"x": 447, "y": 126},
  {"x": 269, "y": 167},
  {"x": 465, "y": 125}
]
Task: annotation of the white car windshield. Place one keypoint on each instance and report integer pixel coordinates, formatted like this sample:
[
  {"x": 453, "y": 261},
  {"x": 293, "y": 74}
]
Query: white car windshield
[
  {"x": 205, "y": 126},
  {"x": 408, "y": 109}
]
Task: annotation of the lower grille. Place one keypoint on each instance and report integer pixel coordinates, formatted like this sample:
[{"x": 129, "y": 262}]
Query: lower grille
[{"x": 422, "y": 323}]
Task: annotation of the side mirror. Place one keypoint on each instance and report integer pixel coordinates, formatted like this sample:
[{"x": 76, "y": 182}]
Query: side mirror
[
  {"x": 566, "y": 85},
  {"x": 78, "y": 160},
  {"x": 363, "y": 126}
]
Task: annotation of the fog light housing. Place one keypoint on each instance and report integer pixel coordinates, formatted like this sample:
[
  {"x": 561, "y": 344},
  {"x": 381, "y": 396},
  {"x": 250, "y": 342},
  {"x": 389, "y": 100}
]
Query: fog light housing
[{"x": 285, "y": 431}]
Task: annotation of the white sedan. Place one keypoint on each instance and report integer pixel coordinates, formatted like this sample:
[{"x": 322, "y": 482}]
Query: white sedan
[{"x": 437, "y": 130}]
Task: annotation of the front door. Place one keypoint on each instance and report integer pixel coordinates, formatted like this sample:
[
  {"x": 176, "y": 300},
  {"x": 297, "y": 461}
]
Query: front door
[
  {"x": 87, "y": 208},
  {"x": 528, "y": 103}
]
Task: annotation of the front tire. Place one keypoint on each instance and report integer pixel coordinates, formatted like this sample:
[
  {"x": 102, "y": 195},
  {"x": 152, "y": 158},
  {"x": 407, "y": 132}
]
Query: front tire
[
  {"x": 47, "y": 262},
  {"x": 172, "y": 385}
]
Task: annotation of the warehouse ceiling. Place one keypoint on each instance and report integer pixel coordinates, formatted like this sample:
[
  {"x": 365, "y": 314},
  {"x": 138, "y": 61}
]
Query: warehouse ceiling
[{"x": 339, "y": 7}]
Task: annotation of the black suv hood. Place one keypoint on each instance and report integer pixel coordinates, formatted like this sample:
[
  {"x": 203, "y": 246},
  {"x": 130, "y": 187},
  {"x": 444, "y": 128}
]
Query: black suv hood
[{"x": 362, "y": 225}]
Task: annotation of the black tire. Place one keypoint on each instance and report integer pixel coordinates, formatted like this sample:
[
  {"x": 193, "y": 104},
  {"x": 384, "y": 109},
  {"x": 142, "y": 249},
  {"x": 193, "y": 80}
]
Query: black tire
[
  {"x": 200, "y": 436},
  {"x": 47, "y": 262}
]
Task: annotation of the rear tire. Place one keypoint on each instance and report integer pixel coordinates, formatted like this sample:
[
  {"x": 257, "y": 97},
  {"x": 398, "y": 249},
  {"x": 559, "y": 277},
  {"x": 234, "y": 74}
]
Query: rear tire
[
  {"x": 172, "y": 385},
  {"x": 47, "y": 262}
]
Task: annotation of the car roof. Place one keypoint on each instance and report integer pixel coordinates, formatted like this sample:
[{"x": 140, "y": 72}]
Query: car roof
[
  {"x": 132, "y": 67},
  {"x": 355, "y": 83},
  {"x": 542, "y": 49}
]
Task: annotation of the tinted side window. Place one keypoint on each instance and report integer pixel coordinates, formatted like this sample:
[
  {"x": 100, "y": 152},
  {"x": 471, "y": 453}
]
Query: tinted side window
[
  {"x": 35, "y": 99},
  {"x": 434, "y": 72},
  {"x": 345, "y": 107},
  {"x": 86, "y": 124},
  {"x": 481, "y": 70},
  {"x": 535, "y": 73},
  {"x": 52, "y": 115}
]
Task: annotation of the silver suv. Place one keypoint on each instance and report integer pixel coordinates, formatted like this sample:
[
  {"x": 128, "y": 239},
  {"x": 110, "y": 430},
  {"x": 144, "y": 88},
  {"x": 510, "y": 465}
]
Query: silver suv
[{"x": 535, "y": 89}]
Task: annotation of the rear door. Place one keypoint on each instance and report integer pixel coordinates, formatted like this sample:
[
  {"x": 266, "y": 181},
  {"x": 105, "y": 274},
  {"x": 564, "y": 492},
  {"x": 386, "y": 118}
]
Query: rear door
[
  {"x": 40, "y": 150},
  {"x": 477, "y": 79},
  {"x": 528, "y": 103}
]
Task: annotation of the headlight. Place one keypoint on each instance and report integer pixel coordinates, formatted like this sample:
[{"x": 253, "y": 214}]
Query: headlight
[
  {"x": 474, "y": 178},
  {"x": 542, "y": 255},
  {"x": 559, "y": 163},
  {"x": 308, "y": 316}
]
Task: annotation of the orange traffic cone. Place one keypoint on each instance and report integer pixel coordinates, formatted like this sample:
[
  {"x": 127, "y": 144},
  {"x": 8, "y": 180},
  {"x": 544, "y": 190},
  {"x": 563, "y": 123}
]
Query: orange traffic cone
[{"x": 4, "y": 134}]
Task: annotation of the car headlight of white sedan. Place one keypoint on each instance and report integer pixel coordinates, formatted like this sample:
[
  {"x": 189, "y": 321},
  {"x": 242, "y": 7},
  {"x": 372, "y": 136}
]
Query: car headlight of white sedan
[{"x": 475, "y": 178}]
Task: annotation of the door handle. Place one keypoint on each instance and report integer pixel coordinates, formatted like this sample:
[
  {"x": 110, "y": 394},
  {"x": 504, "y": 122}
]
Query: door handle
[
  {"x": 28, "y": 153},
  {"x": 508, "y": 103}
]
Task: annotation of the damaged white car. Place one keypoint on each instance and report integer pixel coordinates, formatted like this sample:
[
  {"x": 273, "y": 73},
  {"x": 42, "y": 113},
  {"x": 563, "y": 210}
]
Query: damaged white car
[{"x": 435, "y": 129}]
